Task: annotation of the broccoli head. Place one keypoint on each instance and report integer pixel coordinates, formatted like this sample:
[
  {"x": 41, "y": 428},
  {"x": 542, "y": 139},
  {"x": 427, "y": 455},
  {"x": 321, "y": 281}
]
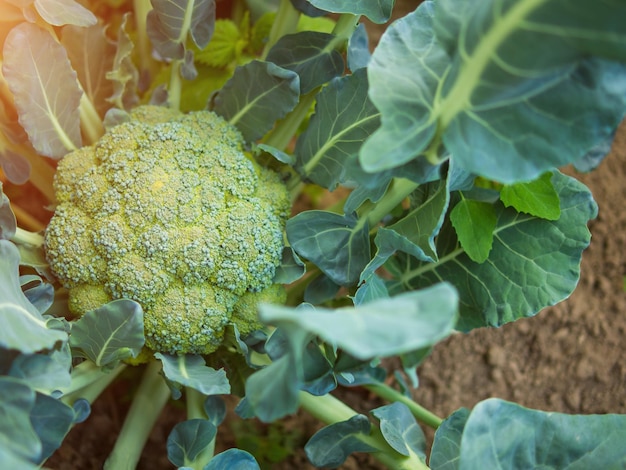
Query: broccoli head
[{"x": 167, "y": 210}]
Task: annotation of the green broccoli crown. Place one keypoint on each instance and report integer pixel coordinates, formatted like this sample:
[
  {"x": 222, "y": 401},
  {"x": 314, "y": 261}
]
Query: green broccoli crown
[{"x": 167, "y": 210}]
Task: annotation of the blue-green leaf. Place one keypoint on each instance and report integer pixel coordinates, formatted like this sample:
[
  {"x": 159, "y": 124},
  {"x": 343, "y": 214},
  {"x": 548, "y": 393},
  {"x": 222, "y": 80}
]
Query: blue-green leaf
[
  {"x": 337, "y": 244},
  {"x": 215, "y": 409},
  {"x": 17, "y": 435},
  {"x": 23, "y": 327},
  {"x": 380, "y": 328},
  {"x": 109, "y": 334},
  {"x": 258, "y": 94},
  {"x": 404, "y": 73},
  {"x": 446, "y": 450},
  {"x": 233, "y": 459},
  {"x": 379, "y": 11},
  {"x": 188, "y": 439},
  {"x": 311, "y": 54},
  {"x": 40, "y": 372},
  {"x": 344, "y": 117},
  {"x": 331, "y": 446},
  {"x": 192, "y": 371},
  {"x": 537, "y": 197},
  {"x": 400, "y": 429},
  {"x": 38, "y": 293},
  {"x": 499, "y": 434},
  {"x": 358, "y": 53},
  {"x": 474, "y": 223},
  {"x": 51, "y": 420},
  {"x": 502, "y": 111},
  {"x": 534, "y": 263},
  {"x": 291, "y": 267},
  {"x": 8, "y": 224},
  {"x": 415, "y": 233}
]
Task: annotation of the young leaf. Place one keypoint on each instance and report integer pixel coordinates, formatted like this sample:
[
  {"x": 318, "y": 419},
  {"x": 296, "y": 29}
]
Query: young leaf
[
  {"x": 91, "y": 54},
  {"x": 15, "y": 166},
  {"x": 337, "y": 244},
  {"x": 192, "y": 371},
  {"x": 63, "y": 12},
  {"x": 8, "y": 224},
  {"x": 215, "y": 409},
  {"x": 45, "y": 89},
  {"x": 109, "y": 334},
  {"x": 256, "y": 96},
  {"x": 24, "y": 329},
  {"x": 538, "y": 197},
  {"x": 233, "y": 459},
  {"x": 474, "y": 223},
  {"x": 446, "y": 448},
  {"x": 379, "y": 11},
  {"x": 498, "y": 433},
  {"x": 400, "y": 429},
  {"x": 381, "y": 328},
  {"x": 188, "y": 439},
  {"x": 534, "y": 263},
  {"x": 312, "y": 55},
  {"x": 38, "y": 293},
  {"x": 344, "y": 117},
  {"x": 331, "y": 446}
]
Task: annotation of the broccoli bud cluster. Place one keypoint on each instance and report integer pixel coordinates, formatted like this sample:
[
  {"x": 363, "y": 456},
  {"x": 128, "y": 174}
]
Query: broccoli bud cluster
[{"x": 167, "y": 210}]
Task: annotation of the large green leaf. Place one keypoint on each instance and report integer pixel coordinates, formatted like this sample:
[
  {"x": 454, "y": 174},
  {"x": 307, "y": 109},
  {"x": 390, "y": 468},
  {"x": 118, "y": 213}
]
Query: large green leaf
[
  {"x": 23, "y": 328},
  {"x": 378, "y": 11},
  {"x": 446, "y": 450},
  {"x": 499, "y": 434},
  {"x": 258, "y": 94},
  {"x": 17, "y": 435},
  {"x": 109, "y": 334},
  {"x": 381, "y": 328},
  {"x": 400, "y": 429},
  {"x": 337, "y": 244},
  {"x": 312, "y": 55},
  {"x": 534, "y": 263},
  {"x": 502, "y": 110},
  {"x": 45, "y": 90},
  {"x": 64, "y": 12},
  {"x": 344, "y": 117},
  {"x": 404, "y": 73},
  {"x": 188, "y": 440}
]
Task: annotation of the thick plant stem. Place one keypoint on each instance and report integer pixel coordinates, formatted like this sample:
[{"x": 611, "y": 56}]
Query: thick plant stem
[
  {"x": 24, "y": 237},
  {"x": 148, "y": 402},
  {"x": 88, "y": 382},
  {"x": 420, "y": 413},
  {"x": 330, "y": 410},
  {"x": 195, "y": 410}
]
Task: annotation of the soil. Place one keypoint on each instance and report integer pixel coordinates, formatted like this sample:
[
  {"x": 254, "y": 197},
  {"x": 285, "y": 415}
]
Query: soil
[{"x": 570, "y": 358}]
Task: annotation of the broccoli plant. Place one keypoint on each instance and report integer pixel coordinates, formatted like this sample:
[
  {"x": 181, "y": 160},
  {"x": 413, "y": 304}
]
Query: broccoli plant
[{"x": 177, "y": 152}]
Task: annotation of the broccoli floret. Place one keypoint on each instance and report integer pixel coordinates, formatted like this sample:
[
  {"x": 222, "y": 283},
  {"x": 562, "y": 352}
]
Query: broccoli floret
[{"x": 167, "y": 210}]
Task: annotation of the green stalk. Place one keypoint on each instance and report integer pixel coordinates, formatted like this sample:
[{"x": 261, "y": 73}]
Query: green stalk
[
  {"x": 149, "y": 400},
  {"x": 420, "y": 413},
  {"x": 141, "y": 9},
  {"x": 195, "y": 410},
  {"x": 330, "y": 410},
  {"x": 372, "y": 213},
  {"x": 280, "y": 137},
  {"x": 24, "y": 237},
  {"x": 286, "y": 22},
  {"x": 89, "y": 381},
  {"x": 90, "y": 122}
]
